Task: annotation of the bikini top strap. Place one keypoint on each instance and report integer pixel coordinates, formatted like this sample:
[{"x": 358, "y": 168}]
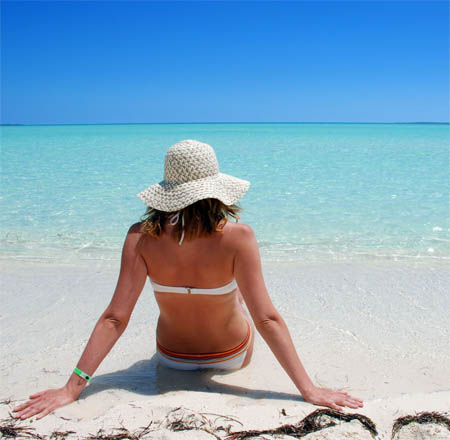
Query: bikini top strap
[{"x": 174, "y": 220}]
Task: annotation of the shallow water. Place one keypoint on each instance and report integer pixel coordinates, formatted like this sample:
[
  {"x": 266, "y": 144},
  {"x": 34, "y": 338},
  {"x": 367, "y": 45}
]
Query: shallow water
[{"x": 319, "y": 191}]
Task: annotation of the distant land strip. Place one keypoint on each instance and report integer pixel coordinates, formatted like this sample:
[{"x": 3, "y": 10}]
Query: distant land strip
[{"x": 204, "y": 123}]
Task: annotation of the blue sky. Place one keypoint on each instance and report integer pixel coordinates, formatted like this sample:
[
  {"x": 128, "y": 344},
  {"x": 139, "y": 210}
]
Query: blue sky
[{"x": 112, "y": 62}]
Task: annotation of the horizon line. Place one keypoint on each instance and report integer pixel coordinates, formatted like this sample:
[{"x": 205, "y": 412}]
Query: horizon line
[{"x": 222, "y": 122}]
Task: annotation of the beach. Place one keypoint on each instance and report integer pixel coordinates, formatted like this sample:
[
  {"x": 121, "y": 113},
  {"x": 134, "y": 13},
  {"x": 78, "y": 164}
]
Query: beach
[
  {"x": 376, "y": 329},
  {"x": 352, "y": 224},
  {"x": 330, "y": 124}
]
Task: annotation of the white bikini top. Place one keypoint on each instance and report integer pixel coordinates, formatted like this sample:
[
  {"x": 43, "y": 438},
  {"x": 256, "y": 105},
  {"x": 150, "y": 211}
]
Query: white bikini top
[{"x": 193, "y": 290}]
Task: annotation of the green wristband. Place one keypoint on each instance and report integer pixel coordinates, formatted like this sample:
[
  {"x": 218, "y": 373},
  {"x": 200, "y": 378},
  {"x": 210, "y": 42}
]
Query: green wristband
[{"x": 82, "y": 374}]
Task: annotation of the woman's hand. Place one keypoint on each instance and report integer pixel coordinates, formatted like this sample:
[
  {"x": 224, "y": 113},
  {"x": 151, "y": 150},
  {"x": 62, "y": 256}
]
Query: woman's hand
[
  {"x": 43, "y": 403},
  {"x": 332, "y": 399}
]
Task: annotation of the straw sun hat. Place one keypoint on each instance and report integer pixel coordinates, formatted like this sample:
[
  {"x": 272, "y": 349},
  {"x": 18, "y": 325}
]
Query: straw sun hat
[{"x": 191, "y": 173}]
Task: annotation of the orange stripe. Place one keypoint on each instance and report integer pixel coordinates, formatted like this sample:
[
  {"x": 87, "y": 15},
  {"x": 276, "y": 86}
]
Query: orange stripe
[
  {"x": 206, "y": 356},
  {"x": 206, "y": 362}
]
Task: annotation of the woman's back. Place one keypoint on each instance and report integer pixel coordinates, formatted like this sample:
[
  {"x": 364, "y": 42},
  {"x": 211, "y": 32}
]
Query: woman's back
[{"x": 204, "y": 263}]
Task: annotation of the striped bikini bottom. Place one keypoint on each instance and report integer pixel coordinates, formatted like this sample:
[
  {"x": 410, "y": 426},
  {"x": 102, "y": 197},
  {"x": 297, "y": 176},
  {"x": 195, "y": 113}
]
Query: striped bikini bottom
[{"x": 226, "y": 360}]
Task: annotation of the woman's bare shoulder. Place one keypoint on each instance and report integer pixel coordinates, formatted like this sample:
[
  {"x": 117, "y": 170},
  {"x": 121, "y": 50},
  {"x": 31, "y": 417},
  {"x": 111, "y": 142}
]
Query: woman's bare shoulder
[
  {"x": 135, "y": 237},
  {"x": 136, "y": 228},
  {"x": 138, "y": 242},
  {"x": 240, "y": 232}
]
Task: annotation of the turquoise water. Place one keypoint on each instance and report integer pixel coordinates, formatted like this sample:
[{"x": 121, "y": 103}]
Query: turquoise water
[{"x": 319, "y": 191}]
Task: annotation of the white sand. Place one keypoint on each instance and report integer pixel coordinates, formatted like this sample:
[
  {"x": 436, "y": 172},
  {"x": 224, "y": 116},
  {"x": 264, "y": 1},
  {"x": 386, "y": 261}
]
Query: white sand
[{"x": 377, "y": 329}]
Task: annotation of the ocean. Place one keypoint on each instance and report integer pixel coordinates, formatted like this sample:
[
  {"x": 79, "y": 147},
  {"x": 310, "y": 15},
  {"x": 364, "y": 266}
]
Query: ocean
[{"x": 319, "y": 191}]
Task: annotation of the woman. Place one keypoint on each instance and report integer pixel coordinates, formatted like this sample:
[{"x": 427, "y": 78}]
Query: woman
[{"x": 196, "y": 260}]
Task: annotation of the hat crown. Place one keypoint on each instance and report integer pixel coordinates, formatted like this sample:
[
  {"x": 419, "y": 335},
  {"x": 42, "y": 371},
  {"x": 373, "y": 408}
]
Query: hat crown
[{"x": 190, "y": 160}]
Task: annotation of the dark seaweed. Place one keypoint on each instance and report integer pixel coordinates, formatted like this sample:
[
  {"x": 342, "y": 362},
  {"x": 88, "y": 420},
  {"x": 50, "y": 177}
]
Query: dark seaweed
[
  {"x": 311, "y": 423},
  {"x": 421, "y": 418}
]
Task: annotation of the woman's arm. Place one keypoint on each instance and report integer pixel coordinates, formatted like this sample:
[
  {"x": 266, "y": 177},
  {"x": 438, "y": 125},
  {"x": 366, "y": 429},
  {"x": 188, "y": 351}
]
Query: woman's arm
[
  {"x": 110, "y": 326},
  {"x": 271, "y": 326}
]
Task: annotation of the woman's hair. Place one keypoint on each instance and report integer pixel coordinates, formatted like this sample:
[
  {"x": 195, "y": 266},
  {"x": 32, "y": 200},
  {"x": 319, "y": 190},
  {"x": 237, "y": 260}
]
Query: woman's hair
[{"x": 201, "y": 219}]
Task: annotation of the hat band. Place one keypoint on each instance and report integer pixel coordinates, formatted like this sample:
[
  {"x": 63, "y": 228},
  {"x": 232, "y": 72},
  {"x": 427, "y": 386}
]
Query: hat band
[{"x": 169, "y": 184}]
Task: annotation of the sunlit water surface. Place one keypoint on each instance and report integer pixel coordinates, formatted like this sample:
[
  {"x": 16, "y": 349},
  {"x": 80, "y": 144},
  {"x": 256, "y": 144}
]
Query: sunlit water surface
[{"x": 318, "y": 191}]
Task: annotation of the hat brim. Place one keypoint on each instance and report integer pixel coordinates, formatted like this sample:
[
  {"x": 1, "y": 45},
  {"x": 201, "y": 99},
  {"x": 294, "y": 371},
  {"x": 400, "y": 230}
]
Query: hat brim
[{"x": 173, "y": 197}]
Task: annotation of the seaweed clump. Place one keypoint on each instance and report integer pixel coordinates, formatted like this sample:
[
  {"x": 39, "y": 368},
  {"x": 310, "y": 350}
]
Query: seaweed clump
[
  {"x": 421, "y": 418},
  {"x": 311, "y": 423},
  {"x": 61, "y": 435},
  {"x": 9, "y": 428},
  {"x": 121, "y": 434},
  {"x": 182, "y": 419}
]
